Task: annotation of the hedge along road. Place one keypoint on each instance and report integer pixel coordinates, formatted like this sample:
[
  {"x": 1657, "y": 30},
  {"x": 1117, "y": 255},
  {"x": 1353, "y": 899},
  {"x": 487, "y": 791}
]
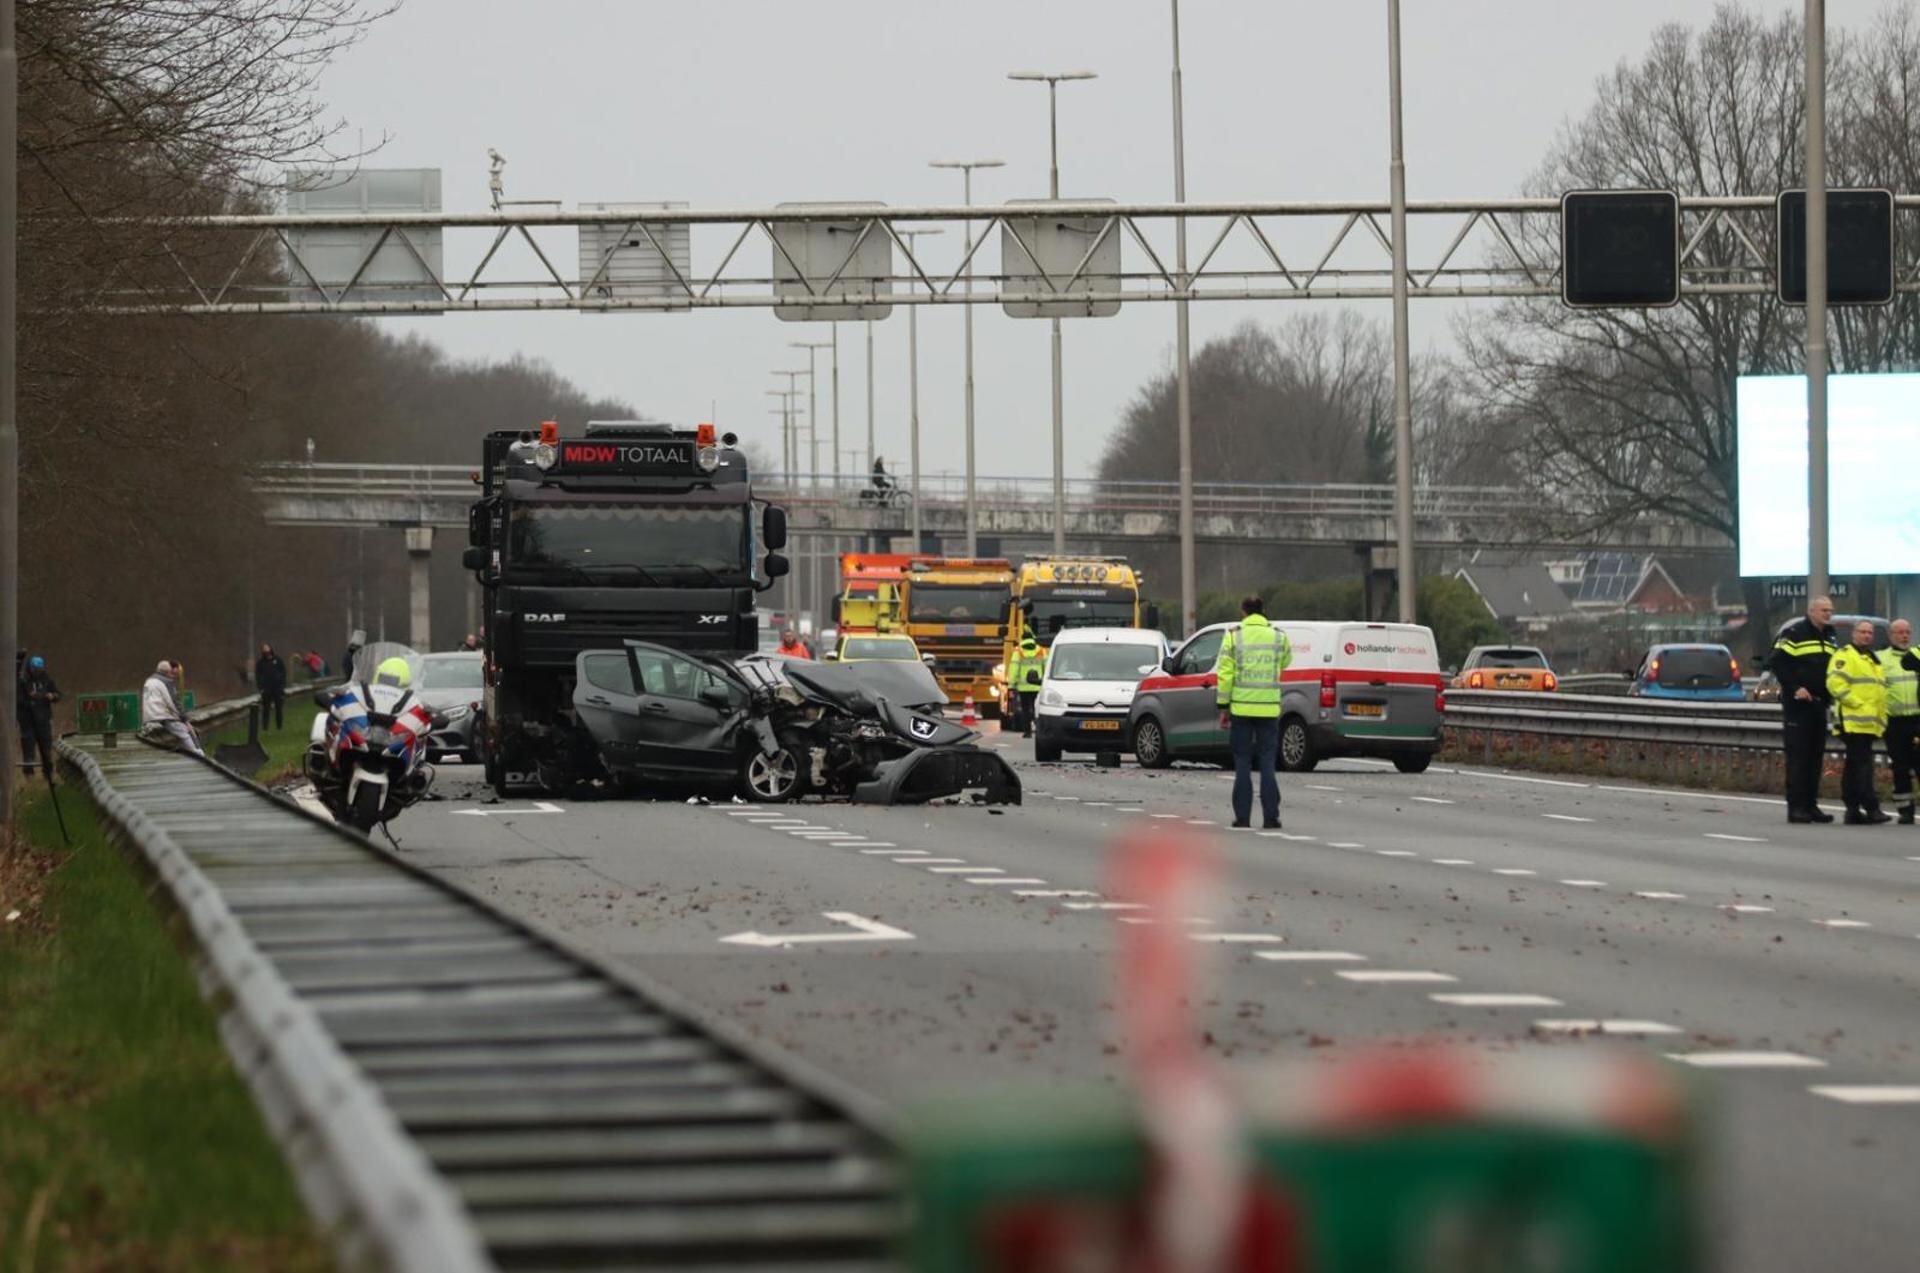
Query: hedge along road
[{"x": 1503, "y": 909}]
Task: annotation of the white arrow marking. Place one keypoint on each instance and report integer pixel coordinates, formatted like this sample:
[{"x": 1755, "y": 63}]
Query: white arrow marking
[
  {"x": 539, "y": 806},
  {"x": 869, "y": 930}
]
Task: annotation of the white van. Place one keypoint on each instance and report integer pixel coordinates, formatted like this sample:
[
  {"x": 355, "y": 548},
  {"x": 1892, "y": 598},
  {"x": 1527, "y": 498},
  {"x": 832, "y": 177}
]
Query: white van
[
  {"x": 1353, "y": 689},
  {"x": 1088, "y": 687}
]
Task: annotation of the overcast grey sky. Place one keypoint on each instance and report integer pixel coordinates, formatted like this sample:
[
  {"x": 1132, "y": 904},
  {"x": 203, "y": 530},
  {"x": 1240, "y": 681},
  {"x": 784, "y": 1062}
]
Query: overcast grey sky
[{"x": 746, "y": 103}]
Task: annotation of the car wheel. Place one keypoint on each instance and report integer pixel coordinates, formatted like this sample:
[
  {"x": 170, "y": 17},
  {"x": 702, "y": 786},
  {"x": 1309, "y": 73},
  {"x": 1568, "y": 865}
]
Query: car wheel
[
  {"x": 1413, "y": 764},
  {"x": 1296, "y": 747},
  {"x": 1045, "y": 752},
  {"x": 768, "y": 779},
  {"x": 1150, "y": 744}
]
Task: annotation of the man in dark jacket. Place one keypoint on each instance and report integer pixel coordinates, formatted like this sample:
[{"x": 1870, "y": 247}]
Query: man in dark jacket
[
  {"x": 1799, "y": 662},
  {"x": 34, "y": 697},
  {"x": 270, "y": 678}
]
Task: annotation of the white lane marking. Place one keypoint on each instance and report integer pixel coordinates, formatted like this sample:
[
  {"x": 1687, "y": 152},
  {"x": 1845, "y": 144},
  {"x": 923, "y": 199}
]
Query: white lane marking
[
  {"x": 1843, "y": 923},
  {"x": 1913, "y": 859},
  {"x": 1453, "y": 861},
  {"x": 1095, "y": 804},
  {"x": 1565, "y": 817},
  {"x": 1344, "y": 844},
  {"x": 1005, "y": 879},
  {"x": 1513, "y": 870},
  {"x": 539, "y": 806},
  {"x": 1202, "y": 822},
  {"x": 1496, "y": 1001},
  {"x": 1614, "y": 1026},
  {"x": 1105, "y": 906},
  {"x": 1544, "y": 782},
  {"x": 1310, "y": 956},
  {"x": 1697, "y": 795},
  {"x": 1748, "y": 1060},
  {"x": 1318, "y": 786},
  {"x": 1287, "y": 835},
  {"x": 1396, "y": 853},
  {"x": 847, "y": 844},
  {"x": 966, "y": 870},
  {"x": 874, "y": 846},
  {"x": 1747, "y": 908},
  {"x": 1430, "y": 800},
  {"x": 1072, "y": 799},
  {"x": 1738, "y": 839},
  {"x": 1128, "y": 810},
  {"x": 789, "y": 825},
  {"x": 1054, "y": 892},
  {"x": 1166, "y": 815},
  {"x": 1659, "y": 895},
  {"x": 866, "y": 930},
  {"x": 816, "y": 835},
  {"x": 1149, "y": 919},
  {"x": 1871, "y": 1094},
  {"x": 1585, "y": 883},
  {"x": 1393, "y": 975},
  {"x": 933, "y": 861},
  {"x": 1239, "y": 939}
]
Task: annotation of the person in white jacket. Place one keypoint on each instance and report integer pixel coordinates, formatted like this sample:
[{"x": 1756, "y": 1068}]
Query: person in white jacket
[{"x": 161, "y": 719}]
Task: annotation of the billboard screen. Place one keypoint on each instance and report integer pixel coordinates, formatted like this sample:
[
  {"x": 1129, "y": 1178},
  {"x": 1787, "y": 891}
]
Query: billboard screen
[{"x": 1873, "y": 445}]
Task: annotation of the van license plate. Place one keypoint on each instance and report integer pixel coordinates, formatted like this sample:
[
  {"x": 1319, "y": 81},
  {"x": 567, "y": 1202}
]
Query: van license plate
[
  {"x": 1366, "y": 709},
  {"x": 1100, "y": 724}
]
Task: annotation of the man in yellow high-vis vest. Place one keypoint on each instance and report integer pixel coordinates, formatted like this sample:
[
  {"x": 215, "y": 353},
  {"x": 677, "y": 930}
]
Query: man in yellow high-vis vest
[
  {"x": 1903, "y": 715},
  {"x": 1858, "y": 685},
  {"x": 1247, "y": 692}
]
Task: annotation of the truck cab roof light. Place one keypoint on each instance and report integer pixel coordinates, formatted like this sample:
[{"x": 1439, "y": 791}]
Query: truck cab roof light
[
  {"x": 705, "y": 435},
  {"x": 550, "y": 432}
]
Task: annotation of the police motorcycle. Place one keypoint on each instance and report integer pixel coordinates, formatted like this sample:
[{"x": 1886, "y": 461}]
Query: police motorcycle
[{"x": 366, "y": 753}]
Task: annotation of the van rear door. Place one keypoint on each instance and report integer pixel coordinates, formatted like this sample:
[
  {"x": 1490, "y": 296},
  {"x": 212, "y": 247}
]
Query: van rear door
[{"x": 1386, "y": 679}]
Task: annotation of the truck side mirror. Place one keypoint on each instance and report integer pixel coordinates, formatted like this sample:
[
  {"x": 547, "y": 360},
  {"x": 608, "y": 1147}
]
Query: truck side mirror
[
  {"x": 474, "y": 559},
  {"x": 773, "y": 528},
  {"x": 777, "y": 566}
]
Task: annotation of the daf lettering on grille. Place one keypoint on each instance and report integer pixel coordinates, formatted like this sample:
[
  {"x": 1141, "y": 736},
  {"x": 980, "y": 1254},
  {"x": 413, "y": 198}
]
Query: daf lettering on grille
[{"x": 543, "y": 618}]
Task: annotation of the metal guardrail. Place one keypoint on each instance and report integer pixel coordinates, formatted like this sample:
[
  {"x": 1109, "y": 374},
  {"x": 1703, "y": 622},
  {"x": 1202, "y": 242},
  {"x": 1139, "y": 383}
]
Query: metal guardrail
[
  {"x": 1740, "y": 726},
  {"x": 455, "y": 1089}
]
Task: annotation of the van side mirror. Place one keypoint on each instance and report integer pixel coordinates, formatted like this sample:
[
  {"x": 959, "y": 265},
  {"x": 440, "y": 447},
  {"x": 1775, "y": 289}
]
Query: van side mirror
[
  {"x": 1166, "y": 665},
  {"x": 773, "y": 527}
]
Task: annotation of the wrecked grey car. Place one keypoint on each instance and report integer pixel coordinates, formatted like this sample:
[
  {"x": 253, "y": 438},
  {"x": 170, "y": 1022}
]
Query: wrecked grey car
[{"x": 777, "y": 729}]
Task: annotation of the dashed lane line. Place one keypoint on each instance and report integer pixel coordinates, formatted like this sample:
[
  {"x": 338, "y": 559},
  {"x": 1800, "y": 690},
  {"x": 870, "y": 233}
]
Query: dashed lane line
[
  {"x": 965, "y": 870},
  {"x": 1318, "y": 786},
  {"x": 1105, "y": 906},
  {"x": 1659, "y": 895},
  {"x": 1747, "y": 908},
  {"x": 1430, "y": 800},
  {"x": 1390, "y": 975},
  {"x": 1737, "y": 839},
  {"x": 1513, "y": 870},
  {"x": 1310, "y": 956},
  {"x": 1396, "y": 853},
  {"x": 1585, "y": 883},
  {"x": 1453, "y": 861},
  {"x": 933, "y": 861},
  {"x": 1565, "y": 817},
  {"x": 1241, "y": 939},
  {"x": 1005, "y": 879},
  {"x": 1471, "y": 1000},
  {"x": 1344, "y": 844},
  {"x": 1732, "y": 1060},
  {"x": 1843, "y": 923},
  {"x": 1054, "y": 892},
  {"x": 1870, "y": 1094}
]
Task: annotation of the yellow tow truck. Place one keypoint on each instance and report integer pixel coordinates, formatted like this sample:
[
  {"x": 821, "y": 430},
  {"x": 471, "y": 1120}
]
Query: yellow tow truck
[
  {"x": 1052, "y": 594},
  {"x": 956, "y": 610}
]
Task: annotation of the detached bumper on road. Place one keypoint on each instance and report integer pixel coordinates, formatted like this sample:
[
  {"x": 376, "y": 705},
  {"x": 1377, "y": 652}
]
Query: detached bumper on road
[{"x": 936, "y": 772}]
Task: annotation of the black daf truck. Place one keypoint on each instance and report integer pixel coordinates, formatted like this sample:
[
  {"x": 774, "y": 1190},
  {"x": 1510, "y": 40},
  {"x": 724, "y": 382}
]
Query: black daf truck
[{"x": 632, "y": 530}]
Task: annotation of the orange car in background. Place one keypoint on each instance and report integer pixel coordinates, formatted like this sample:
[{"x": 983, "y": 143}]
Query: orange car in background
[{"x": 1505, "y": 667}]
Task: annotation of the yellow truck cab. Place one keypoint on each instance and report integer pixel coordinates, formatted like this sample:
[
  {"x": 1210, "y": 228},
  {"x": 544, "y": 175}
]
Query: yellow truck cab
[
  {"x": 956, "y": 610},
  {"x": 1053, "y": 594}
]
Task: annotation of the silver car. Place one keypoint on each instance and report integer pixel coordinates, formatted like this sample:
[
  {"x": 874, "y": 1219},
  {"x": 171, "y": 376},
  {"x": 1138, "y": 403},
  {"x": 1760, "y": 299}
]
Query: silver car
[{"x": 451, "y": 686}]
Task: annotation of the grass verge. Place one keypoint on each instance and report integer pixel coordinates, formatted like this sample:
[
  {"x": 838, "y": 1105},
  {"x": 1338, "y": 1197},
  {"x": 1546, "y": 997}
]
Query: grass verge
[
  {"x": 284, "y": 746},
  {"x": 127, "y": 1142}
]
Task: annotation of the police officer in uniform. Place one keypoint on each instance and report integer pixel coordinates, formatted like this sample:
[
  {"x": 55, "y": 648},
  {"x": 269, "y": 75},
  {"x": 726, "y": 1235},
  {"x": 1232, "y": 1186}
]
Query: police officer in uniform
[
  {"x": 1799, "y": 662},
  {"x": 1902, "y": 667},
  {"x": 1858, "y": 684},
  {"x": 1247, "y": 692}
]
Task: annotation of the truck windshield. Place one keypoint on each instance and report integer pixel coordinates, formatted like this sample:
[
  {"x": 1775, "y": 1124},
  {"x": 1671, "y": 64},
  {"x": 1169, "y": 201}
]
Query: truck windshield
[
  {"x": 1056, "y": 613},
  {"x": 959, "y": 603},
  {"x": 654, "y": 538}
]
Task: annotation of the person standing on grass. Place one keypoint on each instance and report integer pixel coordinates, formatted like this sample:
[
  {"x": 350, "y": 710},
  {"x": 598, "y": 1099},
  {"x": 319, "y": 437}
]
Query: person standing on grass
[
  {"x": 161, "y": 720},
  {"x": 1799, "y": 662},
  {"x": 34, "y": 699},
  {"x": 1247, "y": 692},
  {"x": 1858, "y": 685},
  {"x": 270, "y": 678}
]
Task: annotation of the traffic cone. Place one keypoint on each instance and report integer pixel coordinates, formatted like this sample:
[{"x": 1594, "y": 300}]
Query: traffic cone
[{"x": 968, "y": 716}]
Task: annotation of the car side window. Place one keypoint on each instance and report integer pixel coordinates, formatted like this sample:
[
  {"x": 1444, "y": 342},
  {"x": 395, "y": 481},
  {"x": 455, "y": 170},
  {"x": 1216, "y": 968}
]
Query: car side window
[
  {"x": 610, "y": 672},
  {"x": 671, "y": 676},
  {"x": 1200, "y": 653}
]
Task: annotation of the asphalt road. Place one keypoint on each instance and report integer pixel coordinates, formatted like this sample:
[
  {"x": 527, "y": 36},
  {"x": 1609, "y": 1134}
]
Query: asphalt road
[{"x": 974, "y": 946}]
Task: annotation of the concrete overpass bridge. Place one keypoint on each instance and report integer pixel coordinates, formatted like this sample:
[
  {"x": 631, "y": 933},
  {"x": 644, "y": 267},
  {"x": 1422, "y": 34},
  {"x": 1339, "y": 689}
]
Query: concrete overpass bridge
[{"x": 1015, "y": 515}]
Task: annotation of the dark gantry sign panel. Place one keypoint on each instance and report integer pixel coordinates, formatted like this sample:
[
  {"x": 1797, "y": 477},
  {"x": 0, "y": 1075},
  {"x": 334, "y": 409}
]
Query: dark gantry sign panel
[
  {"x": 1859, "y": 246},
  {"x": 1619, "y": 248}
]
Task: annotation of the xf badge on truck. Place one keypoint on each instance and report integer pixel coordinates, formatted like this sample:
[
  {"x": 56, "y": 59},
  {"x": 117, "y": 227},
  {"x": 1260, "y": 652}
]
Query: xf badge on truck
[{"x": 711, "y": 618}]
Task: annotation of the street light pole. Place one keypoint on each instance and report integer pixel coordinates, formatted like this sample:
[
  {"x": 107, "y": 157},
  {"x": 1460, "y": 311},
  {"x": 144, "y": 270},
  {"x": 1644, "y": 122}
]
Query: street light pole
[
  {"x": 835, "y": 327},
  {"x": 966, "y": 167},
  {"x": 793, "y": 428},
  {"x": 870, "y": 451},
  {"x": 1052, "y": 80},
  {"x": 1402, "y": 387},
  {"x": 813, "y": 406},
  {"x": 913, "y": 396},
  {"x": 1816, "y": 93},
  {"x": 1189, "y": 587}
]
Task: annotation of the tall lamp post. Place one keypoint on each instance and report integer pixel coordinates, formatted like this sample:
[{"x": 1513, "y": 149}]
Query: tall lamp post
[
  {"x": 966, "y": 167},
  {"x": 1816, "y": 167},
  {"x": 1189, "y": 587},
  {"x": 1052, "y": 80},
  {"x": 870, "y": 451},
  {"x": 813, "y": 403},
  {"x": 792, "y": 430},
  {"x": 1407, "y": 581},
  {"x": 913, "y": 394}
]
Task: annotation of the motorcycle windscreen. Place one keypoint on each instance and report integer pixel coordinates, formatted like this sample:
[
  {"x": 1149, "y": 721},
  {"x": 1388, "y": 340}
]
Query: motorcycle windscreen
[
  {"x": 853, "y": 685},
  {"x": 933, "y": 773},
  {"x": 369, "y": 659}
]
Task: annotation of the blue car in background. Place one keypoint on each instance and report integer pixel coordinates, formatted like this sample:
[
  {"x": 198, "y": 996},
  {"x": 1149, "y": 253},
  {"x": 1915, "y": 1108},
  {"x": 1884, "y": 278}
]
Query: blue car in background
[{"x": 1706, "y": 673}]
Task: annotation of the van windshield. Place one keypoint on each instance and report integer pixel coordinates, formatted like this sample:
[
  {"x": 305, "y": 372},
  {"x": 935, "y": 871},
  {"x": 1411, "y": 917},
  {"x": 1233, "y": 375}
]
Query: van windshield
[
  {"x": 1102, "y": 662},
  {"x": 1694, "y": 669}
]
